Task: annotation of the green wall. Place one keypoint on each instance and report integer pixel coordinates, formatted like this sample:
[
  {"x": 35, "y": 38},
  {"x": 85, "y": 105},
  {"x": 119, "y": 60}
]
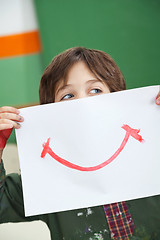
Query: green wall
[
  {"x": 19, "y": 80},
  {"x": 129, "y": 30}
]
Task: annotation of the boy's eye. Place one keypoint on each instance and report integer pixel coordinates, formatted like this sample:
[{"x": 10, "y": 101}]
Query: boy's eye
[
  {"x": 95, "y": 90},
  {"x": 67, "y": 96}
]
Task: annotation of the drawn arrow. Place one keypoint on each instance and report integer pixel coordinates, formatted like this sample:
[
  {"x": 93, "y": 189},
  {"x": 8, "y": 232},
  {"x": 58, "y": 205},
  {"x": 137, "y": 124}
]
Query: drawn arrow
[{"x": 129, "y": 132}]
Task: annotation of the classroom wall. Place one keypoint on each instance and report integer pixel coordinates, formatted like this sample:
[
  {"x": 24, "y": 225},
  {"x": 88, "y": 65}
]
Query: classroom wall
[{"x": 128, "y": 30}]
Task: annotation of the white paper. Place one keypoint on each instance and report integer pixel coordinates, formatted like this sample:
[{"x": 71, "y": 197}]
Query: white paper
[{"x": 87, "y": 132}]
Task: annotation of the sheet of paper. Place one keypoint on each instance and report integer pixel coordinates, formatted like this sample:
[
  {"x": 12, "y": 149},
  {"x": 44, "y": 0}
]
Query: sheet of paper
[{"x": 92, "y": 154}]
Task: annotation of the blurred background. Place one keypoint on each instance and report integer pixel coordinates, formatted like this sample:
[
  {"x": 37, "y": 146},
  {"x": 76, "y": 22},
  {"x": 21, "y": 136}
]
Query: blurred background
[{"x": 32, "y": 32}]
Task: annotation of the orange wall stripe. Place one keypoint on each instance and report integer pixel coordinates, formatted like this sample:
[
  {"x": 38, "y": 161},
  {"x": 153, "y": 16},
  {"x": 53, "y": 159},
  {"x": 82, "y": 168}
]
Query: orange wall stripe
[{"x": 20, "y": 44}]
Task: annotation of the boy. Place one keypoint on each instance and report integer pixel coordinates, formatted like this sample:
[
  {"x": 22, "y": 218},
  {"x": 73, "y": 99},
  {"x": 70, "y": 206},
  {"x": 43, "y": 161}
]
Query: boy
[{"x": 77, "y": 73}]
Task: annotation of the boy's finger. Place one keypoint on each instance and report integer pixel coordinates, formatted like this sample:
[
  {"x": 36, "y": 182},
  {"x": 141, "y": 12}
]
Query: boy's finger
[
  {"x": 4, "y": 123},
  {"x": 9, "y": 109},
  {"x": 11, "y": 116},
  {"x": 5, "y": 126},
  {"x": 158, "y": 99}
]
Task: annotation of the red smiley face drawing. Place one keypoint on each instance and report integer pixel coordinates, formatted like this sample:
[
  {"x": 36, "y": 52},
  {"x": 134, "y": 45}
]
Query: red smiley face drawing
[{"x": 129, "y": 132}]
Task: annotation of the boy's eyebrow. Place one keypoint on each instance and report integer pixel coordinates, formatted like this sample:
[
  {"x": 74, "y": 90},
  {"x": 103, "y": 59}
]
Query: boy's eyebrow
[{"x": 94, "y": 81}]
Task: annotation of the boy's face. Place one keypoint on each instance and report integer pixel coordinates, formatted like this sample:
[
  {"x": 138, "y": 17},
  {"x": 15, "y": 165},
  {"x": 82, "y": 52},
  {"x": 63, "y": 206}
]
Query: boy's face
[{"x": 80, "y": 82}]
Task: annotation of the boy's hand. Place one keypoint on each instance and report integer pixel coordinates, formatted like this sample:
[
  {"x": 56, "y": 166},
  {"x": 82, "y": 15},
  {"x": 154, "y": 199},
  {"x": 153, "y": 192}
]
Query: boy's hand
[
  {"x": 9, "y": 119},
  {"x": 158, "y": 99}
]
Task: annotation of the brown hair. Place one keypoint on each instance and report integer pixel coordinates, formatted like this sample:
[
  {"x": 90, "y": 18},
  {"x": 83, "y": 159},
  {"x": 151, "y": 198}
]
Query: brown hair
[{"x": 99, "y": 62}]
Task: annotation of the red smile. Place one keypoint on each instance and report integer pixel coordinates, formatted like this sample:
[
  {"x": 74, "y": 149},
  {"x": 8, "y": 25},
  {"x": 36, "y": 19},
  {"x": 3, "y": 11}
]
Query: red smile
[{"x": 129, "y": 132}]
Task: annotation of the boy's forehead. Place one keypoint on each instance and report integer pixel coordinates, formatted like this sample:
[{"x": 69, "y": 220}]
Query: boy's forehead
[
  {"x": 78, "y": 69},
  {"x": 63, "y": 81}
]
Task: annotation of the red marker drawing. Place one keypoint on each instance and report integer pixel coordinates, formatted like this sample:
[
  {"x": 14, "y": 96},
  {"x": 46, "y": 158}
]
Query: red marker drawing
[{"x": 129, "y": 132}]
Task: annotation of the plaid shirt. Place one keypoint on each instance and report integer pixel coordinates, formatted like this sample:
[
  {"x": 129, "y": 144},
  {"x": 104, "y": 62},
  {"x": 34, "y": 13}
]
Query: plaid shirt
[{"x": 119, "y": 220}]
